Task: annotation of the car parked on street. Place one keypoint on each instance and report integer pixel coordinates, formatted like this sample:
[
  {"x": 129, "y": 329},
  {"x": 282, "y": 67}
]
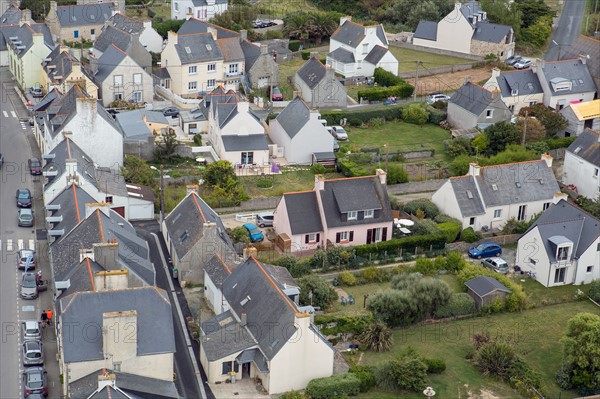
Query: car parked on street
[
  {"x": 523, "y": 64},
  {"x": 485, "y": 250},
  {"x": 254, "y": 232},
  {"x": 31, "y": 330},
  {"x": 22, "y": 257},
  {"x": 265, "y": 219},
  {"x": 28, "y": 286},
  {"x": 35, "y": 381},
  {"x": 25, "y": 217},
  {"x": 23, "y": 198},
  {"x": 435, "y": 97},
  {"x": 513, "y": 59},
  {"x": 35, "y": 166},
  {"x": 498, "y": 265},
  {"x": 33, "y": 353},
  {"x": 171, "y": 111},
  {"x": 339, "y": 133},
  {"x": 36, "y": 92}
]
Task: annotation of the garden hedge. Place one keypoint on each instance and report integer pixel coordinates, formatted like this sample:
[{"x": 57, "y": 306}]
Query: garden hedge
[
  {"x": 294, "y": 45},
  {"x": 359, "y": 117},
  {"x": 436, "y": 115},
  {"x": 382, "y": 93},
  {"x": 436, "y": 241},
  {"x": 451, "y": 229},
  {"x": 387, "y": 79},
  {"x": 343, "y": 324},
  {"x": 337, "y": 386}
]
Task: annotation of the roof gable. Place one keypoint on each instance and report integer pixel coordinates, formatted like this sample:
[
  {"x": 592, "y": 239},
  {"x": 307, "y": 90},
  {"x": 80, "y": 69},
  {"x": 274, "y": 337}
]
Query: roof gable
[
  {"x": 108, "y": 62},
  {"x": 294, "y": 117},
  {"x": 472, "y": 98},
  {"x": 11, "y": 16},
  {"x": 488, "y": 32},
  {"x": 467, "y": 196},
  {"x": 524, "y": 81},
  {"x": 199, "y": 47},
  {"x": 587, "y": 147},
  {"x": 312, "y": 72},
  {"x": 303, "y": 212},
  {"x": 195, "y": 26},
  {"x": 426, "y": 30},
  {"x": 111, "y": 35},
  {"x": 349, "y": 33},
  {"x": 376, "y": 54}
]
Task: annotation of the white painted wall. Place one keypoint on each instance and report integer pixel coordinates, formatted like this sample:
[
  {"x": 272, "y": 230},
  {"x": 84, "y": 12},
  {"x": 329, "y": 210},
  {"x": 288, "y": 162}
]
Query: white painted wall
[
  {"x": 139, "y": 209},
  {"x": 180, "y": 9},
  {"x": 591, "y": 257},
  {"x": 213, "y": 295},
  {"x": 581, "y": 173},
  {"x": 445, "y": 200},
  {"x": 453, "y": 33},
  {"x": 127, "y": 69},
  {"x": 150, "y": 38}
]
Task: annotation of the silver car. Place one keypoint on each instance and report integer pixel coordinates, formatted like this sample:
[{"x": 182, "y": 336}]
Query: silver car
[
  {"x": 29, "y": 286},
  {"x": 23, "y": 256},
  {"x": 33, "y": 353},
  {"x": 265, "y": 219},
  {"x": 498, "y": 265},
  {"x": 31, "y": 330},
  {"x": 339, "y": 133},
  {"x": 25, "y": 217}
]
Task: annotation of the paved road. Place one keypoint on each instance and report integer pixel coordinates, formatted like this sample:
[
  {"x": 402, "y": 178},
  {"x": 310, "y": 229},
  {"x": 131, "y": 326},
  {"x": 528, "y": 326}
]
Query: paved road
[{"x": 568, "y": 29}]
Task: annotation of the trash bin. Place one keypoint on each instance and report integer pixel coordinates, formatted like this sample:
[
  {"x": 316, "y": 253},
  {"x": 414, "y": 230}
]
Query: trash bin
[
  {"x": 233, "y": 377},
  {"x": 175, "y": 273}
]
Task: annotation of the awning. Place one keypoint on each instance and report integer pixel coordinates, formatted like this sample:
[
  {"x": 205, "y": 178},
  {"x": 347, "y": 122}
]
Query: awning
[{"x": 255, "y": 356}]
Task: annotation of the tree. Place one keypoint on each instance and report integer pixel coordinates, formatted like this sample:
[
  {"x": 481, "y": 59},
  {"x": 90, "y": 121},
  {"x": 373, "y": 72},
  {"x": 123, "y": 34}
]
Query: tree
[
  {"x": 581, "y": 348},
  {"x": 323, "y": 295},
  {"x": 503, "y": 12},
  {"x": 396, "y": 174},
  {"x": 219, "y": 174},
  {"x": 165, "y": 148},
  {"x": 594, "y": 290},
  {"x": 163, "y": 28},
  {"x": 416, "y": 114},
  {"x": 322, "y": 25},
  {"x": 538, "y": 33},
  {"x": 458, "y": 146},
  {"x": 531, "y": 128},
  {"x": 532, "y": 11},
  {"x": 238, "y": 234},
  {"x": 394, "y": 307},
  {"x": 553, "y": 121},
  {"x": 296, "y": 25},
  {"x": 480, "y": 144},
  {"x": 500, "y": 135},
  {"x": 377, "y": 337},
  {"x": 137, "y": 171}
]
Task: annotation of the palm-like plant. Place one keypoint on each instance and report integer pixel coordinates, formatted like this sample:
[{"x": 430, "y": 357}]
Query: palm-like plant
[
  {"x": 297, "y": 24},
  {"x": 322, "y": 25},
  {"x": 377, "y": 337}
]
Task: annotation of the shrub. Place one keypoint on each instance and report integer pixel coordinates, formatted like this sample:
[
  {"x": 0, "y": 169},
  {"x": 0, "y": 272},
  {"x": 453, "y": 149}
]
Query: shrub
[
  {"x": 455, "y": 261},
  {"x": 337, "y": 386},
  {"x": 459, "y": 304},
  {"x": 305, "y": 55},
  {"x": 559, "y": 142},
  {"x": 495, "y": 358},
  {"x": 370, "y": 275},
  {"x": 347, "y": 278},
  {"x": 293, "y": 395},
  {"x": 317, "y": 169},
  {"x": 407, "y": 372},
  {"x": 377, "y": 337},
  {"x": 425, "y": 226},
  {"x": 458, "y": 146},
  {"x": 376, "y": 122},
  {"x": 436, "y": 115},
  {"x": 469, "y": 235},
  {"x": 396, "y": 174},
  {"x": 382, "y": 93},
  {"x": 415, "y": 114},
  {"x": 365, "y": 375},
  {"x": 431, "y": 210},
  {"x": 386, "y": 79},
  {"x": 594, "y": 290},
  {"x": 294, "y": 45},
  {"x": 198, "y": 139},
  {"x": 435, "y": 366},
  {"x": 333, "y": 325},
  {"x": 323, "y": 294},
  {"x": 362, "y": 116},
  {"x": 425, "y": 266},
  {"x": 451, "y": 230},
  {"x": 434, "y": 241},
  {"x": 564, "y": 376}
]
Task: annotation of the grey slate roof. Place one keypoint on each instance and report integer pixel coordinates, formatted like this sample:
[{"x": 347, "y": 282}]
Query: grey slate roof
[
  {"x": 154, "y": 328},
  {"x": 355, "y": 194},
  {"x": 108, "y": 61},
  {"x": 468, "y": 206},
  {"x": 223, "y": 336},
  {"x": 426, "y": 30},
  {"x": 293, "y": 117},
  {"x": 351, "y": 34},
  {"x": 251, "y": 54},
  {"x": 111, "y": 182},
  {"x": 60, "y": 65},
  {"x": 525, "y": 81},
  {"x": 69, "y": 206},
  {"x": 483, "y": 285},
  {"x": 198, "y": 47},
  {"x": 134, "y": 386},
  {"x": 342, "y": 55},
  {"x": 112, "y": 35},
  {"x": 88, "y": 14},
  {"x": 25, "y": 33},
  {"x": 193, "y": 26},
  {"x": 133, "y": 126},
  {"x": 588, "y": 47},
  {"x": 376, "y": 54},
  {"x": 6, "y": 31},
  {"x": 204, "y": 3},
  {"x": 185, "y": 224},
  {"x": 80, "y": 279},
  {"x": 573, "y": 70},
  {"x": 588, "y": 143},
  {"x": 249, "y": 142},
  {"x": 303, "y": 212},
  {"x": 218, "y": 269},
  {"x": 231, "y": 49},
  {"x": 125, "y": 23},
  {"x": 11, "y": 16},
  {"x": 312, "y": 72},
  {"x": 67, "y": 149},
  {"x": 516, "y": 183},
  {"x": 570, "y": 222},
  {"x": 470, "y": 8},
  {"x": 488, "y": 32},
  {"x": 472, "y": 98}
]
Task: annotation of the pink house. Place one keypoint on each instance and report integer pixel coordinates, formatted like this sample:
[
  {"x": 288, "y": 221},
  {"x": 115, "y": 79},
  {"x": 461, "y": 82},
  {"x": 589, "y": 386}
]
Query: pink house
[{"x": 348, "y": 212}]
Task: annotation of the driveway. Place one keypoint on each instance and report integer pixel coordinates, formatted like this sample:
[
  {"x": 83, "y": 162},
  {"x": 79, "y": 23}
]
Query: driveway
[{"x": 569, "y": 26}]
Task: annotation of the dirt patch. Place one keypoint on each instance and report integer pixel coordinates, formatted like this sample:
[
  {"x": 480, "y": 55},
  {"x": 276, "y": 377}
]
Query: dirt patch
[
  {"x": 482, "y": 394},
  {"x": 449, "y": 81}
]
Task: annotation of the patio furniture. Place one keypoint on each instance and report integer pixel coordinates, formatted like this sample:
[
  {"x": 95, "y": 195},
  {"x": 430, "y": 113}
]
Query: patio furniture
[
  {"x": 351, "y": 299},
  {"x": 343, "y": 300}
]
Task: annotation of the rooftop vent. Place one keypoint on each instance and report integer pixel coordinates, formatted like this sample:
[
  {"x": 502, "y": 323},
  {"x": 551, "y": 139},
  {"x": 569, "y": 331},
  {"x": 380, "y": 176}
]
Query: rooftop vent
[
  {"x": 518, "y": 184},
  {"x": 541, "y": 181},
  {"x": 494, "y": 187},
  {"x": 208, "y": 47},
  {"x": 245, "y": 300}
]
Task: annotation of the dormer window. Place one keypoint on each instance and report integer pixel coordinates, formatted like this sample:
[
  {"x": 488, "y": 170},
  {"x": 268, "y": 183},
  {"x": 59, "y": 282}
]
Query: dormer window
[
  {"x": 561, "y": 84},
  {"x": 369, "y": 214},
  {"x": 352, "y": 215}
]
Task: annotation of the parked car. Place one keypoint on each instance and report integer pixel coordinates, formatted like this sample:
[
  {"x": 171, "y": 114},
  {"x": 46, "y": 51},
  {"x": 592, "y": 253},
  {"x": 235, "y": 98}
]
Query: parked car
[
  {"x": 35, "y": 381},
  {"x": 28, "y": 286},
  {"x": 35, "y": 166},
  {"x": 33, "y": 353},
  {"x": 277, "y": 95},
  {"x": 339, "y": 133},
  {"x": 23, "y": 198},
  {"x": 171, "y": 111},
  {"x": 336, "y": 145},
  {"x": 31, "y": 330},
  {"x": 513, "y": 59},
  {"x": 498, "y": 265},
  {"x": 36, "y": 92},
  {"x": 485, "y": 250},
  {"x": 22, "y": 257},
  {"x": 523, "y": 63},
  {"x": 25, "y": 217},
  {"x": 265, "y": 219},
  {"x": 435, "y": 97},
  {"x": 254, "y": 232}
]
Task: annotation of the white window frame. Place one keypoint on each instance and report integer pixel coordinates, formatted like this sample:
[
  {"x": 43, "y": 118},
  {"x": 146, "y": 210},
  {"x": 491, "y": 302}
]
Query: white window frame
[
  {"x": 596, "y": 172},
  {"x": 137, "y": 96},
  {"x": 233, "y": 68},
  {"x": 344, "y": 236},
  {"x": 561, "y": 250},
  {"x": 192, "y": 86},
  {"x": 589, "y": 269},
  {"x": 209, "y": 85},
  {"x": 176, "y": 6},
  {"x": 365, "y": 48},
  {"x": 211, "y": 68},
  {"x": 545, "y": 206},
  {"x": 369, "y": 214},
  {"x": 497, "y": 213},
  {"x": 118, "y": 81},
  {"x": 312, "y": 238},
  {"x": 192, "y": 70},
  {"x": 137, "y": 78},
  {"x": 352, "y": 215},
  {"x": 117, "y": 96}
]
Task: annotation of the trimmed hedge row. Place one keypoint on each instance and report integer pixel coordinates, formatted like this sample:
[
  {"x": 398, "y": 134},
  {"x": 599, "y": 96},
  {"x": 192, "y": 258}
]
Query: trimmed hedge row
[
  {"x": 343, "y": 324},
  {"x": 337, "y": 386},
  {"x": 436, "y": 115},
  {"x": 387, "y": 79},
  {"x": 294, "y": 45},
  {"x": 359, "y": 117},
  {"x": 381, "y": 94},
  {"x": 436, "y": 241}
]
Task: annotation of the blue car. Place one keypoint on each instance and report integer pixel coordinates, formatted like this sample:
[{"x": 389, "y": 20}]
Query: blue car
[
  {"x": 255, "y": 234},
  {"x": 485, "y": 250}
]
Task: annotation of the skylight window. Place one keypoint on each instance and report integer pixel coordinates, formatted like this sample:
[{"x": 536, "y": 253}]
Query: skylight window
[
  {"x": 188, "y": 50},
  {"x": 518, "y": 184},
  {"x": 494, "y": 187},
  {"x": 577, "y": 150},
  {"x": 209, "y": 47},
  {"x": 469, "y": 194}
]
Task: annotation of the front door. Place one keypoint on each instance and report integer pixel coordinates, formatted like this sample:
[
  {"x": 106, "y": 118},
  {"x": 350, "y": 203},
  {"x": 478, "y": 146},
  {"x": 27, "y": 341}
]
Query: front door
[
  {"x": 559, "y": 275},
  {"x": 246, "y": 370}
]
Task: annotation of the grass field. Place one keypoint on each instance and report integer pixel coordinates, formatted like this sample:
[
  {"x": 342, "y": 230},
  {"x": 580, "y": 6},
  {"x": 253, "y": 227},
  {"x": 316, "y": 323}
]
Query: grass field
[
  {"x": 534, "y": 333},
  {"x": 299, "y": 180},
  {"x": 408, "y": 58},
  {"x": 280, "y": 9},
  {"x": 358, "y": 292}
]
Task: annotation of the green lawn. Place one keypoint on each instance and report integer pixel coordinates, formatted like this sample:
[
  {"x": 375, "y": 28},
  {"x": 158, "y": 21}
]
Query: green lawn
[
  {"x": 400, "y": 136},
  {"x": 358, "y": 292},
  {"x": 291, "y": 181},
  {"x": 541, "y": 296},
  {"x": 280, "y": 9},
  {"x": 535, "y": 334},
  {"x": 407, "y": 58}
]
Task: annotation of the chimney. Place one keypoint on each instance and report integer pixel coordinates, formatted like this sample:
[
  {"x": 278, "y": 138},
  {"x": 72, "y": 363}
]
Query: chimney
[
  {"x": 106, "y": 379},
  {"x": 26, "y": 16},
  {"x": 71, "y": 169},
  {"x": 319, "y": 183},
  {"x": 249, "y": 251},
  {"x": 583, "y": 58},
  {"x": 93, "y": 64},
  {"x": 54, "y": 7},
  {"x": 244, "y": 34},
  {"x": 147, "y": 24},
  {"x": 172, "y": 37},
  {"x": 558, "y": 197},
  {"x": 537, "y": 65},
  {"x": 547, "y": 158},
  {"x": 264, "y": 49},
  {"x": 243, "y": 319},
  {"x": 111, "y": 280},
  {"x": 106, "y": 254},
  {"x": 86, "y": 253},
  {"x": 116, "y": 9},
  {"x": 212, "y": 31},
  {"x": 495, "y": 72},
  {"x": 92, "y": 206},
  {"x": 191, "y": 188},
  {"x": 474, "y": 169},
  {"x": 116, "y": 326},
  {"x": 382, "y": 176},
  {"x": 344, "y": 19}
]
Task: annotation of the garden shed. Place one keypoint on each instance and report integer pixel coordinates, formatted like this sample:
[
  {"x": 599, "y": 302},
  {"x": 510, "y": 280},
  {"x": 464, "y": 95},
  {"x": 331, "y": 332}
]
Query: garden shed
[{"x": 484, "y": 290}]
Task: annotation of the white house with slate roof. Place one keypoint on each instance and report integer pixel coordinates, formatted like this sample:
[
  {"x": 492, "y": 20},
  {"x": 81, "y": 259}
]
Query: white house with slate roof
[
  {"x": 517, "y": 88},
  {"x": 582, "y": 164},
  {"x": 200, "y": 9},
  {"x": 62, "y": 70},
  {"x": 562, "y": 246},
  {"x": 263, "y": 332},
  {"x": 300, "y": 133},
  {"x": 356, "y": 50},
  {"x": 148, "y": 36},
  {"x": 466, "y": 30},
  {"x": 488, "y": 196},
  {"x": 9, "y": 23},
  {"x": 127, "y": 41},
  {"x": 194, "y": 233},
  {"x": 76, "y": 22},
  {"x": 473, "y": 106},
  {"x": 107, "y": 383},
  {"x": 318, "y": 85},
  {"x": 115, "y": 315}
]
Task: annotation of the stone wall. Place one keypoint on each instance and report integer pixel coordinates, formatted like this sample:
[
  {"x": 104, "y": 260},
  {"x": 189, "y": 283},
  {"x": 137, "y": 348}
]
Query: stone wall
[
  {"x": 437, "y": 51},
  {"x": 484, "y": 48},
  {"x": 144, "y": 150}
]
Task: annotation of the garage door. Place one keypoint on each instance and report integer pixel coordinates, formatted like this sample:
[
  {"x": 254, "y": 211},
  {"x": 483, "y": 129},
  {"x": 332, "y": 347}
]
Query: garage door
[{"x": 263, "y": 82}]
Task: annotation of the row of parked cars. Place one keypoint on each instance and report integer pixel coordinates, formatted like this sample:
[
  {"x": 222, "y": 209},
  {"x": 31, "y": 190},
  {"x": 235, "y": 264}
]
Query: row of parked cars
[
  {"x": 518, "y": 62},
  {"x": 35, "y": 381},
  {"x": 489, "y": 253},
  {"x": 259, "y": 23}
]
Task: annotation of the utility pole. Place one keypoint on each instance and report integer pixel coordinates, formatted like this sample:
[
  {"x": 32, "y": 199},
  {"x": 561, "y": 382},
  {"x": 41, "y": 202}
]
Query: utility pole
[
  {"x": 416, "y": 81},
  {"x": 162, "y": 197},
  {"x": 387, "y": 153},
  {"x": 524, "y": 129}
]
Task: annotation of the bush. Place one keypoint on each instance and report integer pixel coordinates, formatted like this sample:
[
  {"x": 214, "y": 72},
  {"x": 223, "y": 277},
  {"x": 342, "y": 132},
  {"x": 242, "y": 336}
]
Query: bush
[
  {"x": 376, "y": 122},
  {"x": 381, "y": 94},
  {"x": 387, "y": 79},
  {"x": 396, "y": 174},
  {"x": 347, "y": 278},
  {"x": 293, "y": 395},
  {"x": 459, "y": 304},
  {"x": 435, "y": 366},
  {"x": 306, "y": 55},
  {"x": 431, "y": 210},
  {"x": 323, "y": 293},
  {"x": 333, "y": 325},
  {"x": 425, "y": 266},
  {"x": 198, "y": 139},
  {"x": 495, "y": 358},
  {"x": 337, "y": 386},
  {"x": 370, "y": 275},
  {"x": 594, "y": 290},
  {"x": 451, "y": 230},
  {"x": 362, "y": 116},
  {"x": 469, "y": 235},
  {"x": 365, "y": 375},
  {"x": 559, "y": 142},
  {"x": 564, "y": 377},
  {"x": 434, "y": 241},
  {"x": 317, "y": 169},
  {"x": 294, "y": 45},
  {"x": 436, "y": 115},
  {"x": 425, "y": 226},
  {"x": 415, "y": 114},
  {"x": 455, "y": 261},
  {"x": 458, "y": 146},
  {"x": 407, "y": 372}
]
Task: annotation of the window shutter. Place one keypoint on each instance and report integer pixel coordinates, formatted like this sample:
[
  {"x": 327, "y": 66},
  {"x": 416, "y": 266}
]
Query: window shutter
[
  {"x": 361, "y": 215},
  {"x": 369, "y": 236},
  {"x": 337, "y": 237},
  {"x": 384, "y": 234},
  {"x": 351, "y": 236},
  {"x": 344, "y": 217},
  {"x": 318, "y": 237},
  {"x": 306, "y": 238}
]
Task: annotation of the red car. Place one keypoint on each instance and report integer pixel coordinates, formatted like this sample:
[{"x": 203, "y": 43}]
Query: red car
[
  {"x": 277, "y": 96},
  {"x": 35, "y": 166}
]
